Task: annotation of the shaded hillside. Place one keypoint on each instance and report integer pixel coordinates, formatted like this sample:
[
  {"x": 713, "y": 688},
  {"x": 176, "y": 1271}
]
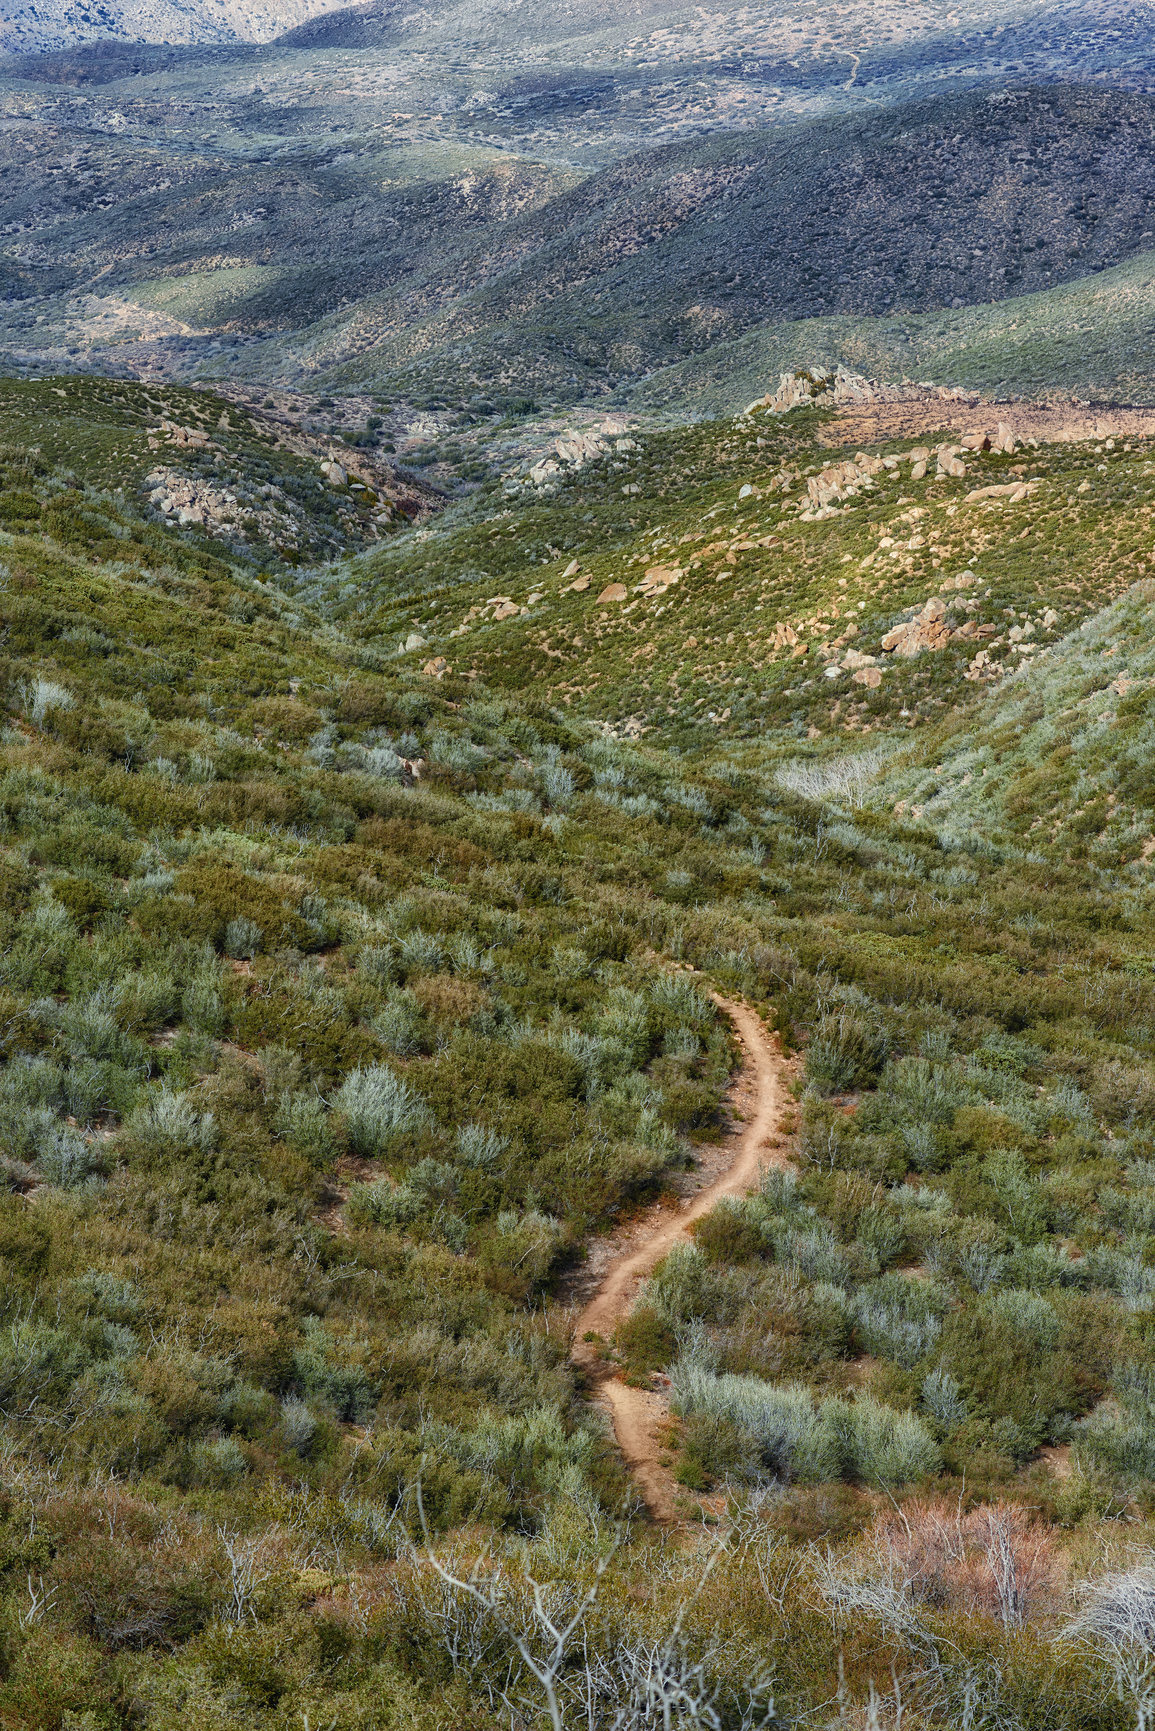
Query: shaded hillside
[
  {"x": 421, "y": 267},
  {"x": 1091, "y": 338},
  {"x": 937, "y": 205}
]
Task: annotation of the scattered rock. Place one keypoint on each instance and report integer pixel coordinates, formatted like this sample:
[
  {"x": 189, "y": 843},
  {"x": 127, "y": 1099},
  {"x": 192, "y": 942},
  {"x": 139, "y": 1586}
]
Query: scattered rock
[
  {"x": 506, "y": 610},
  {"x": 571, "y": 569},
  {"x": 414, "y": 641},
  {"x": 580, "y": 584},
  {"x": 613, "y": 592},
  {"x": 982, "y": 667},
  {"x": 437, "y": 668},
  {"x": 335, "y": 473}
]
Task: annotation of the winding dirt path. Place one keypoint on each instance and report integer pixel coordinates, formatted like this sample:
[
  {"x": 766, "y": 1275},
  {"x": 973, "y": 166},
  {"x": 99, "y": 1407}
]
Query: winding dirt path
[{"x": 761, "y": 1107}]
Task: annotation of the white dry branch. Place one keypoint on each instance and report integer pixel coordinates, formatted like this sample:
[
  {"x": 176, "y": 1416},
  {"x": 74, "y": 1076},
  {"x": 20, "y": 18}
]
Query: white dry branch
[
  {"x": 1117, "y": 1622},
  {"x": 842, "y": 779},
  {"x": 640, "y": 1684}
]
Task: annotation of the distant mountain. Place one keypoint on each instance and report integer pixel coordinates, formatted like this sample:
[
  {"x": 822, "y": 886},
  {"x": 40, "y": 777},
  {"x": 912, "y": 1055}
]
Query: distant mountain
[
  {"x": 970, "y": 199},
  {"x": 36, "y": 26}
]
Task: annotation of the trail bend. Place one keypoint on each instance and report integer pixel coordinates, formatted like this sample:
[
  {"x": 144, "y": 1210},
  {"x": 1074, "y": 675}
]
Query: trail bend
[{"x": 761, "y": 1106}]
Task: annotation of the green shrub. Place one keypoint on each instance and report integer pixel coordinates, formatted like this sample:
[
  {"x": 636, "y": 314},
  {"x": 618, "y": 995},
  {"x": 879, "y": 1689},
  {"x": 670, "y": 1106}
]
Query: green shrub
[
  {"x": 168, "y": 1129},
  {"x": 793, "y": 1439},
  {"x": 846, "y": 1050},
  {"x": 880, "y": 1446}
]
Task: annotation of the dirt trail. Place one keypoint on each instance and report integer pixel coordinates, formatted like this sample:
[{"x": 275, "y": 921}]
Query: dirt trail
[{"x": 761, "y": 1102}]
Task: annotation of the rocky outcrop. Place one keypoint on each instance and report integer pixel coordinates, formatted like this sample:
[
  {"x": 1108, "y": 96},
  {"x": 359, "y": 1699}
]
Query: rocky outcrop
[
  {"x": 187, "y": 438},
  {"x": 927, "y": 630},
  {"x": 841, "y": 388},
  {"x": 574, "y": 450}
]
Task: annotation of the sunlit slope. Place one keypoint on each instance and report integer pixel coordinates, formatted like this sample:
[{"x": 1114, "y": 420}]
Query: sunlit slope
[{"x": 708, "y": 593}]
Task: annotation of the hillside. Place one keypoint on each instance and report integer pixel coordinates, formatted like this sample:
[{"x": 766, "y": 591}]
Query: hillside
[
  {"x": 577, "y": 867},
  {"x": 695, "y": 532},
  {"x": 195, "y": 220},
  {"x": 1090, "y": 339},
  {"x": 345, "y": 999},
  {"x": 679, "y": 249}
]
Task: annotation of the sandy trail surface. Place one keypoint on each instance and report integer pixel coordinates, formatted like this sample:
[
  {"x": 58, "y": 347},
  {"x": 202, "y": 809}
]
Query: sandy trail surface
[{"x": 761, "y": 1107}]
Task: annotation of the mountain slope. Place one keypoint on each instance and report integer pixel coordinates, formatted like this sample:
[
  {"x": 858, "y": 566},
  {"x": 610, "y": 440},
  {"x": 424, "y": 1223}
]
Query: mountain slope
[
  {"x": 1091, "y": 338},
  {"x": 764, "y": 618},
  {"x": 342, "y": 995},
  {"x": 681, "y": 248},
  {"x": 1057, "y": 764}
]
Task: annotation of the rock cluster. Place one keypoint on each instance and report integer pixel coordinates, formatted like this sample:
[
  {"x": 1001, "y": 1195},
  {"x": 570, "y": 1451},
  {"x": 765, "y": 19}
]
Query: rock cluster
[
  {"x": 189, "y": 438},
  {"x": 574, "y": 450},
  {"x": 269, "y": 517},
  {"x": 927, "y": 630},
  {"x": 658, "y": 579},
  {"x": 842, "y": 480},
  {"x": 802, "y": 389},
  {"x": 188, "y": 501}
]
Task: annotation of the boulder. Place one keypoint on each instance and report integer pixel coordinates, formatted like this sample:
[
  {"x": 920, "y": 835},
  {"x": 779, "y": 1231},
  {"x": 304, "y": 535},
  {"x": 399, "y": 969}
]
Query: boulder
[
  {"x": 927, "y": 630},
  {"x": 1015, "y": 491},
  {"x": 613, "y": 592}
]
